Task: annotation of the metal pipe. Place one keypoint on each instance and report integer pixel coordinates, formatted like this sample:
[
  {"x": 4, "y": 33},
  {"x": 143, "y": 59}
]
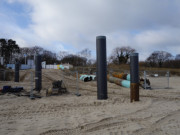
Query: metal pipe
[
  {"x": 101, "y": 67},
  {"x": 86, "y": 78},
  {"x": 16, "y": 70},
  {"x": 82, "y": 77},
  {"x": 134, "y": 73},
  {"x": 121, "y": 76},
  {"x": 128, "y": 77},
  {"x": 38, "y": 75},
  {"x": 121, "y": 82}
]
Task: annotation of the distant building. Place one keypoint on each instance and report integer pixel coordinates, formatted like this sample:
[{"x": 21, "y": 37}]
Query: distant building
[
  {"x": 30, "y": 63},
  {"x": 43, "y": 64},
  {"x": 67, "y": 65}
]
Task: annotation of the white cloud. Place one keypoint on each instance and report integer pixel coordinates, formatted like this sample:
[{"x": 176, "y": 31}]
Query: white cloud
[
  {"x": 166, "y": 39},
  {"x": 78, "y": 22}
]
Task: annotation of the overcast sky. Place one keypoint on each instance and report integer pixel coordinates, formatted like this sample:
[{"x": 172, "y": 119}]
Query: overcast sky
[{"x": 72, "y": 25}]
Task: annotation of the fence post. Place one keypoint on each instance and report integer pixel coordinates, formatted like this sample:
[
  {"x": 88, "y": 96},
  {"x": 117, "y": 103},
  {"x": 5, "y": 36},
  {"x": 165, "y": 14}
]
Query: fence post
[
  {"x": 145, "y": 80},
  {"x": 31, "y": 93},
  {"x": 77, "y": 85},
  {"x": 4, "y": 75},
  {"x": 168, "y": 78},
  {"x": 62, "y": 74},
  {"x": 77, "y": 82}
]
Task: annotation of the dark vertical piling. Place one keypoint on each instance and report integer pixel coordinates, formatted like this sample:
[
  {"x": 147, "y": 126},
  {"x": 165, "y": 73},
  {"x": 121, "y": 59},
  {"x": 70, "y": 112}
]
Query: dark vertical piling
[
  {"x": 16, "y": 74},
  {"x": 134, "y": 77},
  {"x": 101, "y": 67},
  {"x": 38, "y": 75}
]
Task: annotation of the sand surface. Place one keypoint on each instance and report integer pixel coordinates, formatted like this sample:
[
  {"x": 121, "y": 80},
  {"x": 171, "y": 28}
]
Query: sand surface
[{"x": 157, "y": 112}]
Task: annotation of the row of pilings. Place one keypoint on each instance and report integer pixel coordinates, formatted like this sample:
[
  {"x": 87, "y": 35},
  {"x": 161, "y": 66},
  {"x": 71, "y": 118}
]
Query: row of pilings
[
  {"x": 38, "y": 73},
  {"x": 102, "y": 93},
  {"x": 101, "y": 73}
]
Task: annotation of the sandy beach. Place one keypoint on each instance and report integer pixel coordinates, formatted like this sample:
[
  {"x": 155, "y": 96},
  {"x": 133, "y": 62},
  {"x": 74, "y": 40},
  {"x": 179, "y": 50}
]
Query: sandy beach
[{"x": 157, "y": 112}]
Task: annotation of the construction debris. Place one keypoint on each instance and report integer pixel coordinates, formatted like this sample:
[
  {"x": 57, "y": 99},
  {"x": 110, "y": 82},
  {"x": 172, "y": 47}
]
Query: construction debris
[
  {"x": 118, "y": 78},
  {"x": 58, "y": 88},
  {"x": 145, "y": 83},
  {"x": 9, "y": 89},
  {"x": 154, "y": 75}
]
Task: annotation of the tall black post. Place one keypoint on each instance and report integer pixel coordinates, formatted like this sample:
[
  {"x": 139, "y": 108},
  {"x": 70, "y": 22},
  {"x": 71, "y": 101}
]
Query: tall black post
[
  {"x": 134, "y": 77},
  {"x": 38, "y": 75},
  {"x": 16, "y": 70},
  {"x": 101, "y": 67}
]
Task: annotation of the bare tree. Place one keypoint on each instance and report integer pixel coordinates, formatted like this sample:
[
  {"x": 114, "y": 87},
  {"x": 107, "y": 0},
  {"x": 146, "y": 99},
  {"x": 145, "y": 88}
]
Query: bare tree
[
  {"x": 62, "y": 54},
  {"x": 74, "y": 60},
  {"x": 49, "y": 57},
  {"x": 121, "y": 54},
  {"x": 37, "y": 50},
  {"x": 28, "y": 51},
  {"x": 85, "y": 53},
  {"x": 158, "y": 58}
]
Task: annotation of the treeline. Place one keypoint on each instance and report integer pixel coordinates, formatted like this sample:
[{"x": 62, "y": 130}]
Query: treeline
[
  {"x": 8, "y": 48},
  {"x": 79, "y": 59},
  {"x": 30, "y": 53},
  {"x": 82, "y": 58},
  {"x": 11, "y": 52},
  {"x": 167, "y": 64},
  {"x": 160, "y": 59}
]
